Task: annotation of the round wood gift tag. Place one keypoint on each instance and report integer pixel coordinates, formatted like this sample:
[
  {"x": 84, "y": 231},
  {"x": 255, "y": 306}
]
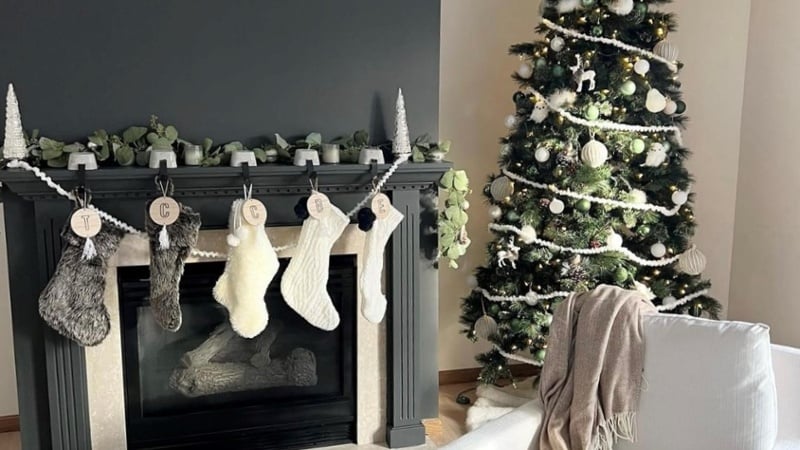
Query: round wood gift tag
[
  {"x": 85, "y": 222},
  {"x": 254, "y": 212},
  {"x": 317, "y": 204},
  {"x": 164, "y": 211},
  {"x": 381, "y": 206}
]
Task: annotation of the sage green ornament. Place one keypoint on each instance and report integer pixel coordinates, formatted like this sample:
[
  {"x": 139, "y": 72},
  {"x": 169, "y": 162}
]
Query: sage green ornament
[
  {"x": 540, "y": 355},
  {"x": 627, "y": 88},
  {"x": 597, "y": 30},
  {"x": 541, "y": 63},
  {"x": 494, "y": 309},
  {"x": 592, "y": 112},
  {"x": 643, "y": 230},
  {"x": 558, "y": 71},
  {"x": 637, "y": 146},
  {"x": 588, "y": 3},
  {"x": 512, "y": 216},
  {"x": 621, "y": 275},
  {"x": 583, "y": 205}
]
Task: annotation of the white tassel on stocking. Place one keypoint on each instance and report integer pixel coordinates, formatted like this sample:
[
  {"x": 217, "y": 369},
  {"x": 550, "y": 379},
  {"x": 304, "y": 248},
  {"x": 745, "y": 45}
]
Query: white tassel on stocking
[
  {"x": 89, "y": 250},
  {"x": 373, "y": 305},
  {"x": 163, "y": 238}
]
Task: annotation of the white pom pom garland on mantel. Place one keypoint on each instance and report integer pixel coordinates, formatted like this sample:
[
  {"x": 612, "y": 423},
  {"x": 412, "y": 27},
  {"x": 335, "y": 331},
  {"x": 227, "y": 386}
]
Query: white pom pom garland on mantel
[{"x": 602, "y": 201}]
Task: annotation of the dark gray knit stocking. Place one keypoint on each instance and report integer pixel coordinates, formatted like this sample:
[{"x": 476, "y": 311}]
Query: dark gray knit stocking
[
  {"x": 166, "y": 266},
  {"x": 72, "y": 301}
]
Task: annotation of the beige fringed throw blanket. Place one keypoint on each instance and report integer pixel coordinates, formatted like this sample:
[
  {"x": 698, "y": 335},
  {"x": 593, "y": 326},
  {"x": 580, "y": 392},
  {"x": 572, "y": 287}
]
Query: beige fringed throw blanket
[{"x": 592, "y": 373}]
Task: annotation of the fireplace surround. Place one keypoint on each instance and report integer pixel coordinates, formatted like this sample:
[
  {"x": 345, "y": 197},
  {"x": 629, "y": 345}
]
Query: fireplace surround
[{"x": 51, "y": 370}]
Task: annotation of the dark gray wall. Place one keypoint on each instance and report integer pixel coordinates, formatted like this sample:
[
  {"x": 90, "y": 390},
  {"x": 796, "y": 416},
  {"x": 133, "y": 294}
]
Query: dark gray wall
[{"x": 228, "y": 69}]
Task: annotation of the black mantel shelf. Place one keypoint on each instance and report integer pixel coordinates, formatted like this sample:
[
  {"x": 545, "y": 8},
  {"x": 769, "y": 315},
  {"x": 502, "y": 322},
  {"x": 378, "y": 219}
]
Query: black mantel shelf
[
  {"x": 135, "y": 182},
  {"x": 51, "y": 373}
]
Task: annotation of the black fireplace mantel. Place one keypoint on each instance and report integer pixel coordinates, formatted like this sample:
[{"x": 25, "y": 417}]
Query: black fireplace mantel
[{"x": 51, "y": 372}]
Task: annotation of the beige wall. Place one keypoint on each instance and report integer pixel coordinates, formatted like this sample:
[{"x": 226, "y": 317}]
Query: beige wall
[
  {"x": 476, "y": 94},
  {"x": 767, "y": 250},
  {"x": 8, "y": 381}
]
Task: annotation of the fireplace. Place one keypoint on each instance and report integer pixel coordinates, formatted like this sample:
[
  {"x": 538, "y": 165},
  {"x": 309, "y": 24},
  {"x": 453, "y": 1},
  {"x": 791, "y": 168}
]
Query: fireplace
[
  {"x": 206, "y": 387},
  {"x": 92, "y": 398}
]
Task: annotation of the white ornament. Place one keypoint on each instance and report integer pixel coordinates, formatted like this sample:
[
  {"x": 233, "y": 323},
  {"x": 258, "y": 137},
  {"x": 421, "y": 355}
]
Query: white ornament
[
  {"x": 14, "y": 145},
  {"x": 557, "y": 206},
  {"x": 581, "y": 74},
  {"x": 656, "y": 156},
  {"x": 638, "y": 196},
  {"x": 495, "y": 212},
  {"x": 667, "y": 50},
  {"x": 465, "y": 205},
  {"x": 642, "y": 66},
  {"x": 658, "y": 250},
  {"x": 531, "y": 298},
  {"x": 402, "y": 142},
  {"x": 541, "y": 154},
  {"x": 671, "y": 108},
  {"x": 485, "y": 327},
  {"x": 505, "y": 149},
  {"x": 680, "y": 198},
  {"x": 669, "y": 301},
  {"x": 656, "y": 102},
  {"x": 508, "y": 256},
  {"x": 561, "y": 98},
  {"x": 472, "y": 281},
  {"x": 644, "y": 290},
  {"x": 510, "y": 121},
  {"x": 567, "y": 6},
  {"x": 621, "y": 7},
  {"x": 594, "y": 154},
  {"x": 692, "y": 262},
  {"x": 527, "y": 234},
  {"x": 540, "y": 112},
  {"x": 614, "y": 241},
  {"x": 525, "y": 70},
  {"x": 557, "y": 44},
  {"x": 501, "y": 188}
]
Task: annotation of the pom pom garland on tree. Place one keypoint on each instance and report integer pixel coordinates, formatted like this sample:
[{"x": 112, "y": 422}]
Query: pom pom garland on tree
[
  {"x": 14, "y": 145},
  {"x": 611, "y": 208}
]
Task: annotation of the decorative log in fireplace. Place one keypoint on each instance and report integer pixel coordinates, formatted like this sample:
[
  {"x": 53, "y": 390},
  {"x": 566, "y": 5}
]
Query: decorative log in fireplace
[{"x": 51, "y": 373}]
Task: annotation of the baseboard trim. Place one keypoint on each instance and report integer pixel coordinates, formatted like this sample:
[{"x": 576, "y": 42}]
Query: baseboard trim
[
  {"x": 9, "y": 424},
  {"x": 459, "y": 376}
]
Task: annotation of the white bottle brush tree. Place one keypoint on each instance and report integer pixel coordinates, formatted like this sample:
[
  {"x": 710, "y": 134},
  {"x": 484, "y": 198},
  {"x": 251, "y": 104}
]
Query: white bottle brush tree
[{"x": 592, "y": 187}]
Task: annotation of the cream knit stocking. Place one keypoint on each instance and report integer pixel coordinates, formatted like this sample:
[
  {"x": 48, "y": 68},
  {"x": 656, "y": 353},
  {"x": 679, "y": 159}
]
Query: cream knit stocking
[
  {"x": 251, "y": 265},
  {"x": 304, "y": 283},
  {"x": 373, "y": 305}
]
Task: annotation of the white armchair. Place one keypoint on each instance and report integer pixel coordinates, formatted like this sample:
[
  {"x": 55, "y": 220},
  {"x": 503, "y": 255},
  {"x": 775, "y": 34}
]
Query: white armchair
[{"x": 516, "y": 430}]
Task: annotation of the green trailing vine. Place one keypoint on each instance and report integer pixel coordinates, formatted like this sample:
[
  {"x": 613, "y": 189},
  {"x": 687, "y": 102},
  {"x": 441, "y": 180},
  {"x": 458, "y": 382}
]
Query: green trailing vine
[{"x": 453, "y": 238}]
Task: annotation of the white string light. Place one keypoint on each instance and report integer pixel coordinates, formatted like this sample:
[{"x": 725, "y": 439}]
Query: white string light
[
  {"x": 590, "y": 251},
  {"x": 19, "y": 164},
  {"x": 531, "y": 298},
  {"x": 671, "y": 65},
  {"x": 517, "y": 358},
  {"x": 608, "y": 124},
  {"x": 603, "y": 201}
]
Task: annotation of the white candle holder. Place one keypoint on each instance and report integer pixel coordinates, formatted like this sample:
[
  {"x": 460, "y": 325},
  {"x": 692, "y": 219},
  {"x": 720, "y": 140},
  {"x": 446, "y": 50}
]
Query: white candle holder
[
  {"x": 330, "y": 153},
  {"x": 192, "y": 155}
]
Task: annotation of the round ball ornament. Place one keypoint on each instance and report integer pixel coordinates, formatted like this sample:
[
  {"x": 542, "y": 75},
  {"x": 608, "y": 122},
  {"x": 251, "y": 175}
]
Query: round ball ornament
[
  {"x": 658, "y": 250},
  {"x": 540, "y": 355},
  {"x": 681, "y": 107},
  {"x": 501, "y": 188},
  {"x": 557, "y": 44},
  {"x": 510, "y": 121},
  {"x": 588, "y": 3},
  {"x": 669, "y": 301},
  {"x": 641, "y": 67},
  {"x": 592, "y": 112},
  {"x": 680, "y": 198},
  {"x": 557, "y": 206},
  {"x": 621, "y": 7},
  {"x": 495, "y": 212},
  {"x": 485, "y": 327},
  {"x": 518, "y": 97},
  {"x": 527, "y": 234},
  {"x": 692, "y": 262},
  {"x": 614, "y": 241},
  {"x": 656, "y": 102},
  {"x": 627, "y": 88},
  {"x": 667, "y": 50},
  {"x": 541, "y": 154},
  {"x": 541, "y": 63},
  {"x": 558, "y": 71},
  {"x": 583, "y": 205},
  {"x": 525, "y": 71},
  {"x": 472, "y": 281},
  {"x": 594, "y": 154},
  {"x": 638, "y": 196},
  {"x": 597, "y": 30},
  {"x": 671, "y": 108},
  {"x": 512, "y": 216},
  {"x": 637, "y": 146},
  {"x": 621, "y": 275}
]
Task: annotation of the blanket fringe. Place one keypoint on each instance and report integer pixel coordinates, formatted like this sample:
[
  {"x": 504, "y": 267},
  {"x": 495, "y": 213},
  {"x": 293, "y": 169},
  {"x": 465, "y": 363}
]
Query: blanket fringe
[{"x": 620, "y": 426}]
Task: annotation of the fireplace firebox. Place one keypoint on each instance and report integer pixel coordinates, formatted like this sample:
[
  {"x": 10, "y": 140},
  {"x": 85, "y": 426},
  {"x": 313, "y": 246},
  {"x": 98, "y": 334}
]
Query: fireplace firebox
[{"x": 206, "y": 387}]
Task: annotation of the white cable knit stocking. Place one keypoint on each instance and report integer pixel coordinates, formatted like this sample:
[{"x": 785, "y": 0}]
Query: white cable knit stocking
[
  {"x": 373, "y": 305},
  {"x": 251, "y": 265},
  {"x": 304, "y": 284}
]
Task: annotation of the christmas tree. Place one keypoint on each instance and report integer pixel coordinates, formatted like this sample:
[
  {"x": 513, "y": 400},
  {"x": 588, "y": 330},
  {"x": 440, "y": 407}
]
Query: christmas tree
[{"x": 592, "y": 186}]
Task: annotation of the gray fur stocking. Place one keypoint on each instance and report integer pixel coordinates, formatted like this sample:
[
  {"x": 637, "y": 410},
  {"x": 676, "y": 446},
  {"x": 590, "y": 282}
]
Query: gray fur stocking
[
  {"x": 72, "y": 301},
  {"x": 166, "y": 265}
]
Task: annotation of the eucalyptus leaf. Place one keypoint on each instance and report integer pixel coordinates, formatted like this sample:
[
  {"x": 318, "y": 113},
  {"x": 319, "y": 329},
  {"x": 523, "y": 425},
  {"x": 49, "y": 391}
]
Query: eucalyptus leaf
[
  {"x": 281, "y": 141},
  {"x": 447, "y": 179},
  {"x": 124, "y": 156},
  {"x": 74, "y": 147},
  {"x": 361, "y": 138},
  {"x": 453, "y": 252},
  {"x": 453, "y": 264},
  {"x": 460, "y": 181},
  {"x": 142, "y": 158},
  {"x": 171, "y": 133},
  {"x": 314, "y": 139},
  {"x": 417, "y": 156},
  {"x": 444, "y": 146},
  {"x": 207, "y": 143},
  {"x": 161, "y": 143},
  {"x": 133, "y": 134},
  {"x": 50, "y": 144},
  {"x": 261, "y": 154},
  {"x": 58, "y": 162},
  {"x": 52, "y": 153},
  {"x": 102, "y": 153},
  {"x": 152, "y": 138},
  {"x": 234, "y": 146}
]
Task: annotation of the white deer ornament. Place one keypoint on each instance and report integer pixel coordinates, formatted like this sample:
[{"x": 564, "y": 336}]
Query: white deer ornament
[
  {"x": 580, "y": 74},
  {"x": 508, "y": 256}
]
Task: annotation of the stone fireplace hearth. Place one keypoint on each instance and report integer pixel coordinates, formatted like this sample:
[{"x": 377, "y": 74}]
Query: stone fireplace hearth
[{"x": 74, "y": 398}]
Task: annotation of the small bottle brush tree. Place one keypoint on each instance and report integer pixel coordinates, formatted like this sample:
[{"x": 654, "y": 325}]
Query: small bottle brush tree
[{"x": 592, "y": 188}]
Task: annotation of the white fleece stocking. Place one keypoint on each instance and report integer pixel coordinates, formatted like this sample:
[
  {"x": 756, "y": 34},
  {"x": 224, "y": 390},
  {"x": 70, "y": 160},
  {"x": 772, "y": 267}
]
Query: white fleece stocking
[
  {"x": 373, "y": 305},
  {"x": 251, "y": 265},
  {"x": 304, "y": 284}
]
